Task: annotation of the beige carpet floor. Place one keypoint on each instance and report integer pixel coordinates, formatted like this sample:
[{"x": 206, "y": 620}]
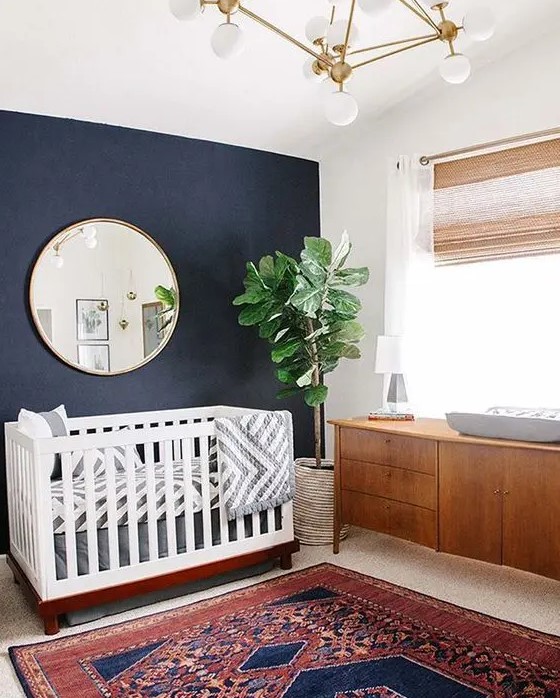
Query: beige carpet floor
[{"x": 498, "y": 591}]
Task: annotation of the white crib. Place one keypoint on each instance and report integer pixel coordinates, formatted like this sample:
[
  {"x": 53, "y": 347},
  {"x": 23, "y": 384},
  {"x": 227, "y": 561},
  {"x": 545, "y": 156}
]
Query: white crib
[{"x": 175, "y": 546}]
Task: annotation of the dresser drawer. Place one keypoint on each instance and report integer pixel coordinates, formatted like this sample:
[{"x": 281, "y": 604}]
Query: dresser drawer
[
  {"x": 393, "y": 483},
  {"x": 386, "y": 516},
  {"x": 389, "y": 449},
  {"x": 366, "y": 512},
  {"x": 414, "y": 523}
]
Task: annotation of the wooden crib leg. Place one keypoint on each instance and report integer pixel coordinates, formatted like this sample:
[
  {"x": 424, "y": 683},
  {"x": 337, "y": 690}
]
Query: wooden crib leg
[
  {"x": 286, "y": 561},
  {"x": 51, "y": 625}
]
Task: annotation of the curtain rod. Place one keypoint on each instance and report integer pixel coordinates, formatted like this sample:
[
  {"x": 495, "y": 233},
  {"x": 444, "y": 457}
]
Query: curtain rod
[{"x": 426, "y": 159}]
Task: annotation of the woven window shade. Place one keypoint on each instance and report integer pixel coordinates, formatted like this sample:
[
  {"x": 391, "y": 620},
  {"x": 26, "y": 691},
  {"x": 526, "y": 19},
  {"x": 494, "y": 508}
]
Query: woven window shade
[{"x": 498, "y": 205}]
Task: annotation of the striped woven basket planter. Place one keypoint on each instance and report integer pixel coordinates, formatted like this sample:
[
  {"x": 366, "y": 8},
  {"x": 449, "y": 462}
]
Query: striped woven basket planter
[{"x": 314, "y": 502}]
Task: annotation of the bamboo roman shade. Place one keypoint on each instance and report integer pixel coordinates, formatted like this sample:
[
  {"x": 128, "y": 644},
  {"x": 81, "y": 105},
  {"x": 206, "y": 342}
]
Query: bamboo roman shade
[{"x": 498, "y": 205}]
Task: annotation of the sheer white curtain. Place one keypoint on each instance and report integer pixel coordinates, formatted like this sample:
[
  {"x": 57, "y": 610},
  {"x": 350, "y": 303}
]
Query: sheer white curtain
[{"x": 409, "y": 261}]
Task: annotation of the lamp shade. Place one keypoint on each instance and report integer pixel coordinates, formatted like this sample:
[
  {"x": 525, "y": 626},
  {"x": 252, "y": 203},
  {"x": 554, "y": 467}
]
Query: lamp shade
[{"x": 389, "y": 355}]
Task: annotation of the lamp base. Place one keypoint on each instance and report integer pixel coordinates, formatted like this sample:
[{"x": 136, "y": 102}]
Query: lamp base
[{"x": 397, "y": 394}]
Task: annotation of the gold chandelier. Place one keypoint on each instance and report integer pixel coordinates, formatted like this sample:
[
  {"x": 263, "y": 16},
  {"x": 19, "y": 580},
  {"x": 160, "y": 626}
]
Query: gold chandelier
[{"x": 333, "y": 49}]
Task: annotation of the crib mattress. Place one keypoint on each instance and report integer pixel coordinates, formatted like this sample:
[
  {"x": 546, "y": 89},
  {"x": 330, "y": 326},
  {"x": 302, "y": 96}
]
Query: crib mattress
[{"x": 141, "y": 487}]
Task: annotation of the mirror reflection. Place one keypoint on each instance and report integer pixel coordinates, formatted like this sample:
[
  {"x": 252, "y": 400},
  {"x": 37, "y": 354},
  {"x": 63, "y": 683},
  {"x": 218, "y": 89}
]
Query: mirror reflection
[{"x": 104, "y": 296}]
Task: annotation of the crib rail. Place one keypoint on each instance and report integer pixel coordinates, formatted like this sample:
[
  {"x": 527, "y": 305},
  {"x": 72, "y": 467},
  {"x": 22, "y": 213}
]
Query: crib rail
[{"x": 156, "y": 508}]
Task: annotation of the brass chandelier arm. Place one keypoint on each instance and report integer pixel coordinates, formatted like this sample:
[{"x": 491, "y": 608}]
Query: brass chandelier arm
[
  {"x": 399, "y": 50},
  {"x": 267, "y": 25},
  {"x": 425, "y": 13},
  {"x": 348, "y": 30},
  {"x": 393, "y": 43},
  {"x": 422, "y": 15}
]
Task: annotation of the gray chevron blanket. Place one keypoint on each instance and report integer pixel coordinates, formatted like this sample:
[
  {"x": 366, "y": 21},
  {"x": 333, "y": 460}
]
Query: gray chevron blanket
[{"x": 256, "y": 460}]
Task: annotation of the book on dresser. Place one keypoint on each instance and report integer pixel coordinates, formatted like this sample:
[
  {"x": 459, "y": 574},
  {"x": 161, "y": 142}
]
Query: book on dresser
[{"x": 488, "y": 499}]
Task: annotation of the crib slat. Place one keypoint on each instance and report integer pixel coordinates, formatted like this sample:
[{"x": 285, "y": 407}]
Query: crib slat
[
  {"x": 153, "y": 546},
  {"x": 29, "y": 510},
  {"x": 256, "y": 525},
  {"x": 69, "y": 522},
  {"x": 25, "y": 505},
  {"x": 206, "y": 497},
  {"x": 131, "y": 506},
  {"x": 169, "y": 499},
  {"x": 176, "y": 444},
  {"x": 112, "y": 522},
  {"x": 17, "y": 495},
  {"x": 270, "y": 520},
  {"x": 222, "y": 513},
  {"x": 11, "y": 488},
  {"x": 188, "y": 495},
  {"x": 91, "y": 523}
]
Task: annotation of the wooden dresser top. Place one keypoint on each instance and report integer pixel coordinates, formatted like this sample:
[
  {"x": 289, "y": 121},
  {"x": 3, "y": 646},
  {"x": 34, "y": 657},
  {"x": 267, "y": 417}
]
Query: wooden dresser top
[{"x": 435, "y": 429}]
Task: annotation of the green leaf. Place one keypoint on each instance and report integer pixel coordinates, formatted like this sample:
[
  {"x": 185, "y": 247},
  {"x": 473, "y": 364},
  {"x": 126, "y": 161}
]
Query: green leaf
[
  {"x": 252, "y": 296},
  {"x": 288, "y": 392},
  {"x": 254, "y": 314},
  {"x": 281, "y": 334},
  {"x": 165, "y": 295},
  {"x": 305, "y": 379},
  {"x": 252, "y": 279},
  {"x": 266, "y": 270},
  {"x": 306, "y": 298},
  {"x": 319, "y": 250},
  {"x": 283, "y": 265},
  {"x": 285, "y": 350},
  {"x": 351, "y": 351},
  {"x": 285, "y": 375},
  {"x": 316, "y": 395},
  {"x": 352, "y": 277},
  {"x": 342, "y": 251},
  {"x": 329, "y": 365},
  {"x": 269, "y": 328},
  {"x": 350, "y": 331},
  {"x": 344, "y": 303}
]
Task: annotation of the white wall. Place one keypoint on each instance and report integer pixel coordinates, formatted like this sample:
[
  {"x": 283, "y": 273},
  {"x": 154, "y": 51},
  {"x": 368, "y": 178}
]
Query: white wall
[{"x": 516, "y": 95}]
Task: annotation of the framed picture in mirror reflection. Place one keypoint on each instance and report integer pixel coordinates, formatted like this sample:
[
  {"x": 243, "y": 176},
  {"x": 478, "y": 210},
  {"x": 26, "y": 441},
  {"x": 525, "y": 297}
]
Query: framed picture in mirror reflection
[
  {"x": 92, "y": 319},
  {"x": 94, "y": 357}
]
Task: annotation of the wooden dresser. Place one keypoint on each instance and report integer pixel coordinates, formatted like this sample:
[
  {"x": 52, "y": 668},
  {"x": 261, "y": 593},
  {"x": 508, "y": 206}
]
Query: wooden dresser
[{"x": 488, "y": 499}]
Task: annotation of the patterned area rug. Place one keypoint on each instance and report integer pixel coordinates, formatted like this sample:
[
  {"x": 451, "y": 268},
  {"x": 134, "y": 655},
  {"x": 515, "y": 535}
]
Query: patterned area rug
[{"x": 325, "y": 632}]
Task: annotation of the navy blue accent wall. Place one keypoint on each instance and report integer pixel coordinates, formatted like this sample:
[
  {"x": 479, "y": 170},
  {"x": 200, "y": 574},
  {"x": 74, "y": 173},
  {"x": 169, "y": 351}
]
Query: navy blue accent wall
[{"x": 211, "y": 207}]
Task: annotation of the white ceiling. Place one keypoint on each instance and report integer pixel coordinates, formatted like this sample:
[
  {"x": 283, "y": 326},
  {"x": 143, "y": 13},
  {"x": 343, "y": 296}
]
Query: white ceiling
[{"x": 131, "y": 63}]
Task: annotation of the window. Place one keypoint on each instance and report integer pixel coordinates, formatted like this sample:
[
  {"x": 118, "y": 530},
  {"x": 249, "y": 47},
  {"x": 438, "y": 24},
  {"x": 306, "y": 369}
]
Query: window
[{"x": 485, "y": 322}]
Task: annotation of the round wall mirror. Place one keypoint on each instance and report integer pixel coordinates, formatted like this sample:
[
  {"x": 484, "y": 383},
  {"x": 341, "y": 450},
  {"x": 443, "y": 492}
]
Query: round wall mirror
[{"x": 104, "y": 296}]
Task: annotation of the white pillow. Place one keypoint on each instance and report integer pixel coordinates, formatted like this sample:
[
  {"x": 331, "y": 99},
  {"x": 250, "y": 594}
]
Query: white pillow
[{"x": 44, "y": 425}]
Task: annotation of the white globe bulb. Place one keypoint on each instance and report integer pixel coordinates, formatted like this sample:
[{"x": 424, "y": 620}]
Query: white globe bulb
[
  {"x": 455, "y": 69},
  {"x": 338, "y": 3},
  {"x": 57, "y": 261},
  {"x": 316, "y": 28},
  {"x": 479, "y": 23},
  {"x": 337, "y": 33},
  {"x": 341, "y": 109},
  {"x": 89, "y": 232},
  {"x": 375, "y": 7},
  {"x": 309, "y": 73},
  {"x": 185, "y": 9},
  {"x": 90, "y": 243},
  {"x": 227, "y": 41}
]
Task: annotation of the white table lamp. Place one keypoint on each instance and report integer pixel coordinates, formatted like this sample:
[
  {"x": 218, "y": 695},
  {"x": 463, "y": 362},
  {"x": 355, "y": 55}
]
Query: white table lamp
[{"x": 389, "y": 360}]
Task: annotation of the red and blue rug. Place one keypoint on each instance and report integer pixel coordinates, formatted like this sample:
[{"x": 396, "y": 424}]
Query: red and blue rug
[{"x": 325, "y": 632}]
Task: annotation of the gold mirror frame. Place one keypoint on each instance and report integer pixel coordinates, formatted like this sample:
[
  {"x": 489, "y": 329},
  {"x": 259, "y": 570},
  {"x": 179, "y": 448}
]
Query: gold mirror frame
[{"x": 42, "y": 257}]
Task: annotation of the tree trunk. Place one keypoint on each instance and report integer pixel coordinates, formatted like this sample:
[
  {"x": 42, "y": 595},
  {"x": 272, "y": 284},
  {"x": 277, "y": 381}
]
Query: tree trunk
[
  {"x": 315, "y": 381},
  {"x": 317, "y": 421}
]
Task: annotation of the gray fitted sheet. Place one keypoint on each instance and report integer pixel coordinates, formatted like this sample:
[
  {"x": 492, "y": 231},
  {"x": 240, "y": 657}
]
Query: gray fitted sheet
[{"x": 124, "y": 559}]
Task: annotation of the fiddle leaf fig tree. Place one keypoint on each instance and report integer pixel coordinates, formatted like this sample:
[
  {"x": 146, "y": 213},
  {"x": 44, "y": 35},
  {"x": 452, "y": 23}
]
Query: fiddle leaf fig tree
[{"x": 302, "y": 308}]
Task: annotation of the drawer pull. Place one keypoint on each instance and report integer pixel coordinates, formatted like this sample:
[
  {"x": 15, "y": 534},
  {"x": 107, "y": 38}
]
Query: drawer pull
[
  {"x": 497, "y": 491},
  {"x": 387, "y": 441}
]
